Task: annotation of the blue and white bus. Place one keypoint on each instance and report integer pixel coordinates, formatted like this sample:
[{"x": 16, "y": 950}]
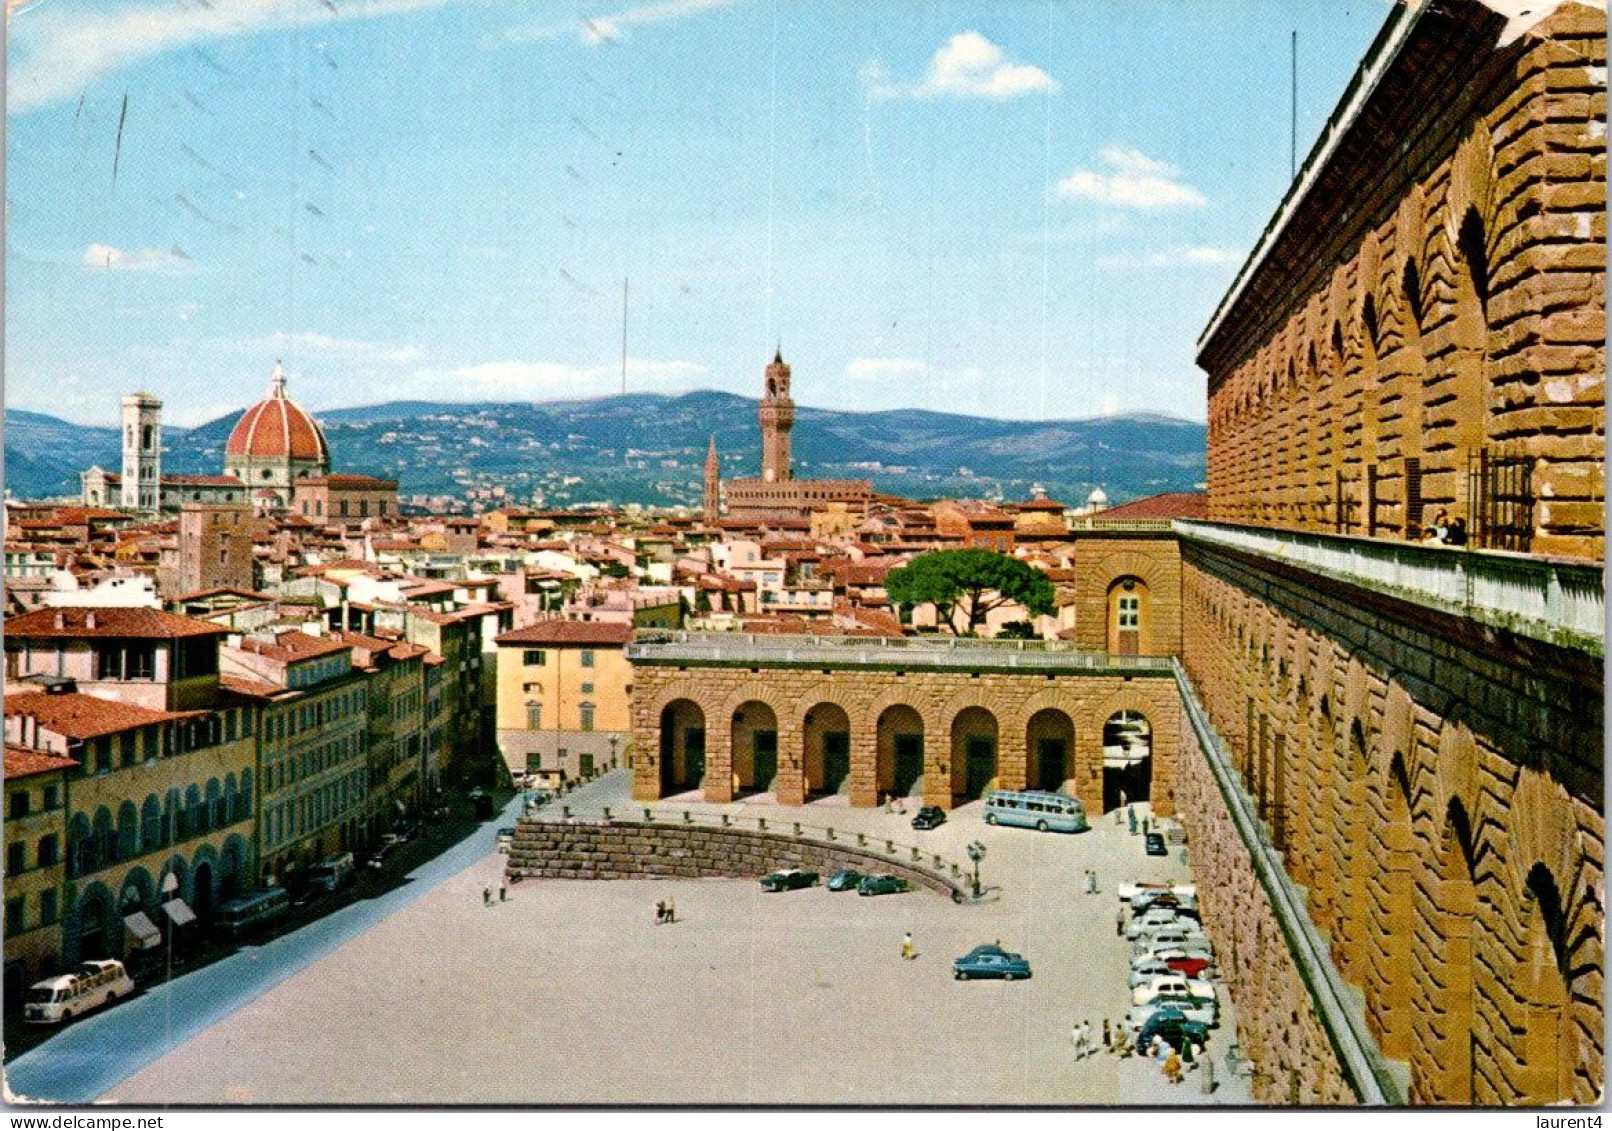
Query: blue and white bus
[{"x": 1035, "y": 809}]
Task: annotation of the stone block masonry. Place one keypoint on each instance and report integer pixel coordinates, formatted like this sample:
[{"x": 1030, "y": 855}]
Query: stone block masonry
[{"x": 629, "y": 850}]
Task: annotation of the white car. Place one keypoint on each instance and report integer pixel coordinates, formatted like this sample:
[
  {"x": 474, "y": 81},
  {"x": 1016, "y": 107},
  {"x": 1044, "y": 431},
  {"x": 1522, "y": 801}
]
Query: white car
[
  {"x": 1156, "y": 919},
  {"x": 1167, "y": 937},
  {"x": 1171, "y": 985},
  {"x": 1130, "y": 891}
]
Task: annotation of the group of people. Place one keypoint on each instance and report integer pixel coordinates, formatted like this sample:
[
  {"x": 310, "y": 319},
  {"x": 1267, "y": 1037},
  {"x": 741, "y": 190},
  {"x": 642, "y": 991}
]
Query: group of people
[
  {"x": 1446, "y": 531},
  {"x": 665, "y": 912},
  {"x": 503, "y": 894},
  {"x": 894, "y": 804},
  {"x": 1090, "y": 886},
  {"x": 1172, "y": 1063},
  {"x": 1114, "y": 1039}
]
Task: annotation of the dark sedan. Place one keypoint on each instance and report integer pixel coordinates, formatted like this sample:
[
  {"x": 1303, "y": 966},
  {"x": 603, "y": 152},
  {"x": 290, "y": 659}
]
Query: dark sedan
[
  {"x": 1153, "y": 844},
  {"x": 788, "y": 880},
  {"x": 929, "y": 817},
  {"x": 844, "y": 880},
  {"x": 881, "y": 885},
  {"x": 1174, "y": 1028},
  {"x": 990, "y": 961}
]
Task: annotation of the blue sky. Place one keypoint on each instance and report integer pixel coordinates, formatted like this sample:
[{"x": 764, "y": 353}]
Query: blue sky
[{"x": 1012, "y": 209}]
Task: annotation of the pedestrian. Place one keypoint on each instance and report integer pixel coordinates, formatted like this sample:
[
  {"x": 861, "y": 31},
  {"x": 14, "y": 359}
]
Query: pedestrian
[
  {"x": 1119, "y": 921},
  {"x": 1091, "y": 879},
  {"x": 487, "y": 897},
  {"x": 1082, "y": 1040},
  {"x": 1122, "y": 799},
  {"x": 1147, "y": 825},
  {"x": 671, "y": 911},
  {"x": 907, "y": 949},
  {"x": 503, "y": 892},
  {"x": 1108, "y": 1037},
  {"x": 1172, "y": 1067},
  {"x": 1130, "y": 815},
  {"x": 660, "y": 912},
  {"x": 1188, "y": 1058}
]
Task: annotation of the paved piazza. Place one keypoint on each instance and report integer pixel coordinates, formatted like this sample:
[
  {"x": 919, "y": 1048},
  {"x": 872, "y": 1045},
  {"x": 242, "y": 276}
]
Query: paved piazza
[{"x": 569, "y": 993}]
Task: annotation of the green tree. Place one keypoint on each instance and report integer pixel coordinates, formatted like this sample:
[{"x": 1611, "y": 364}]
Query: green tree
[{"x": 971, "y": 581}]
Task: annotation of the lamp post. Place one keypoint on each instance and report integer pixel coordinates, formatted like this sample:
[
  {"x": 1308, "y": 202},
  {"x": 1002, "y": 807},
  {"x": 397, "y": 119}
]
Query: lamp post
[
  {"x": 170, "y": 885},
  {"x": 976, "y": 853},
  {"x": 613, "y": 741}
]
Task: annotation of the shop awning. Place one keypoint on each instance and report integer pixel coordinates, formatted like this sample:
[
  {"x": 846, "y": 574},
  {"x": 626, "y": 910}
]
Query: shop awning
[
  {"x": 179, "y": 912},
  {"x": 143, "y": 929}
]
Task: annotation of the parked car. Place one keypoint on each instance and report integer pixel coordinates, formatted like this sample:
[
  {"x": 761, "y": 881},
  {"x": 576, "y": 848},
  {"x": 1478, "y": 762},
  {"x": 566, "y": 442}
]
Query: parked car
[
  {"x": 1192, "y": 964},
  {"x": 1130, "y": 891},
  {"x": 328, "y": 875},
  {"x": 1155, "y": 919},
  {"x": 929, "y": 817},
  {"x": 845, "y": 880},
  {"x": 788, "y": 880},
  {"x": 1147, "y": 899},
  {"x": 1202, "y": 1010},
  {"x": 1153, "y": 845},
  {"x": 1148, "y": 967},
  {"x": 1171, "y": 984},
  {"x": 377, "y": 859},
  {"x": 1157, "y": 940},
  {"x": 881, "y": 885},
  {"x": 990, "y": 961},
  {"x": 1173, "y": 1027}
]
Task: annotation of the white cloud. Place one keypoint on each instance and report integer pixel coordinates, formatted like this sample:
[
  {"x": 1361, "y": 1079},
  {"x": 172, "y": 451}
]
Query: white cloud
[
  {"x": 1134, "y": 181},
  {"x": 552, "y": 378},
  {"x": 105, "y": 257},
  {"x": 967, "y": 66},
  {"x": 610, "y": 27},
  {"x": 1198, "y": 255},
  {"x": 345, "y": 349},
  {"x": 56, "y": 50}
]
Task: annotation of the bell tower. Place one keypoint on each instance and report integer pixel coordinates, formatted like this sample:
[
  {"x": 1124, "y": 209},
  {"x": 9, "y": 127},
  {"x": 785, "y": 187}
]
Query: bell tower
[
  {"x": 713, "y": 485},
  {"x": 777, "y": 418},
  {"x": 142, "y": 453}
]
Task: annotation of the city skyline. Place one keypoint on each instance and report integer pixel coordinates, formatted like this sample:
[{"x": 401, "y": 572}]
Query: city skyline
[{"x": 849, "y": 187}]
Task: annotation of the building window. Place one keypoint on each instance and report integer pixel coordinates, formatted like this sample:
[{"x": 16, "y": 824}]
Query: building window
[
  {"x": 103, "y": 755},
  {"x": 1130, "y": 612},
  {"x": 585, "y": 765},
  {"x": 16, "y": 858},
  {"x": 19, "y": 803},
  {"x": 534, "y": 657},
  {"x": 587, "y": 716},
  {"x": 587, "y": 657},
  {"x": 587, "y": 689},
  {"x": 534, "y": 716},
  {"x": 47, "y": 850},
  {"x": 14, "y": 915},
  {"x": 47, "y": 907}
]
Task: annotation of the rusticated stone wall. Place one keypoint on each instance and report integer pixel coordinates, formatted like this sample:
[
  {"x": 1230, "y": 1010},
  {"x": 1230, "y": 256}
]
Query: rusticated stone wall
[
  {"x": 624, "y": 850},
  {"x": 1277, "y": 1025},
  {"x": 1106, "y": 561},
  {"x": 1439, "y": 297},
  {"x": 1437, "y": 788},
  {"x": 944, "y": 706}
]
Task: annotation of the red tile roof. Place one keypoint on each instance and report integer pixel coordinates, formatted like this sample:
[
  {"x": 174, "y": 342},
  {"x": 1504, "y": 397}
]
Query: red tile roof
[
  {"x": 349, "y": 481},
  {"x": 1171, "y": 504},
  {"x": 294, "y": 645},
  {"x": 70, "y": 623},
  {"x": 253, "y": 688},
  {"x": 561, "y": 632},
  {"x": 77, "y": 715},
  {"x": 203, "y": 481},
  {"x": 21, "y": 762}
]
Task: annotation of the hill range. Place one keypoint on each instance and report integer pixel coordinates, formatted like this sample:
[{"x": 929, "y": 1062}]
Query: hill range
[{"x": 650, "y": 449}]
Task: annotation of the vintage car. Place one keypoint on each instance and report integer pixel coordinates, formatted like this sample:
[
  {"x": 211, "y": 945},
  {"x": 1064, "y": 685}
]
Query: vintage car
[
  {"x": 990, "y": 961},
  {"x": 881, "y": 885},
  {"x": 788, "y": 880}
]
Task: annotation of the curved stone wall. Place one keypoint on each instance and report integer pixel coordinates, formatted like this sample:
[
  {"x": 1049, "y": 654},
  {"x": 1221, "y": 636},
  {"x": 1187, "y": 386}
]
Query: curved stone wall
[{"x": 628, "y": 850}]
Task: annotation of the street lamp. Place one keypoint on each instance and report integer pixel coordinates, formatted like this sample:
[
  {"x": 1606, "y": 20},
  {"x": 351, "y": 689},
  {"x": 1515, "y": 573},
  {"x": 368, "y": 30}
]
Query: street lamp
[
  {"x": 976, "y": 853},
  {"x": 170, "y": 885}
]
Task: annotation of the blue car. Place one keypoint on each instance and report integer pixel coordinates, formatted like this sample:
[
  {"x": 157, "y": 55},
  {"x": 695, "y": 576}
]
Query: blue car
[{"x": 990, "y": 961}]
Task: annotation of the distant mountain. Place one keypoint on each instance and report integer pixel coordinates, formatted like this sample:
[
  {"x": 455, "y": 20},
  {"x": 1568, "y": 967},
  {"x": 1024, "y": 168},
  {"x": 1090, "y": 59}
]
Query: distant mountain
[{"x": 650, "y": 449}]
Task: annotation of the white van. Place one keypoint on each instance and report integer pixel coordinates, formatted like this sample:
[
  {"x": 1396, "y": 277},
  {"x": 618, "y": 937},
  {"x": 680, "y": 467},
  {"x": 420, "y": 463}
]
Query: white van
[
  {"x": 72, "y": 995},
  {"x": 328, "y": 875}
]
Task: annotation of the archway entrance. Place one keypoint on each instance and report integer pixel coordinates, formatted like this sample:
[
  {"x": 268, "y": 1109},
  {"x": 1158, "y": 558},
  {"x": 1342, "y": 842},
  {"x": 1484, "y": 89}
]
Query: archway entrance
[
  {"x": 95, "y": 922},
  {"x": 900, "y": 743},
  {"x": 202, "y": 886},
  {"x": 1548, "y": 1048},
  {"x": 974, "y": 735},
  {"x": 682, "y": 747},
  {"x": 1050, "y": 741},
  {"x": 827, "y": 759},
  {"x": 754, "y": 732},
  {"x": 1127, "y": 759}
]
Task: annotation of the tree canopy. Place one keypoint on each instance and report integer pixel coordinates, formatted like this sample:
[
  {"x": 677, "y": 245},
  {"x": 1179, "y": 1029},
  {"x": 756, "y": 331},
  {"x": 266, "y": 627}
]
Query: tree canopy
[{"x": 971, "y": 581}]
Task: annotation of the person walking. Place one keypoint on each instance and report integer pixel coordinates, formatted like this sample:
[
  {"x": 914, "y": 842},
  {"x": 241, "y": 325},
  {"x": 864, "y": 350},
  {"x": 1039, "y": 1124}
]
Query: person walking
[
  {"x": 487, "y": 897},
  {"x": 1108, "y": 1037},
  {"x": 1119, "y": 921},
  {"x": 671, "y": 911},
  {"x": 908, "y": 951},
  {"x": 1091, "y": 882},
  {"x": 660, "y": 912},
  {"x": 503, "y": 891},
  {"x": 1172, "y": 1067}
]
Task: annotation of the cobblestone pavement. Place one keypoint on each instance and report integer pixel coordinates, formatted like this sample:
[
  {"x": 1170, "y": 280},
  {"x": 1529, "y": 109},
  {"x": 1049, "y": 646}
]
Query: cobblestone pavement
[{"x": 569, "y": 993}]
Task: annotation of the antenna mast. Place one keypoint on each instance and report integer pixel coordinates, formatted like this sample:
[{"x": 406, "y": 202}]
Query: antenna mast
[
  {"x": 624, "y": 337},
  {"x": 1293, "y": 136}
]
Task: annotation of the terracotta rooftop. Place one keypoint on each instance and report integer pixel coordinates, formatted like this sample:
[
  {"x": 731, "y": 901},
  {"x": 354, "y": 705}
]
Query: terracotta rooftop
[
  {"x": 21, "y": 762},
  {"x": 220, "y": 591},
  {"x": 77, "y": 715},
  {"x": 253, "y": 688},
  {"x": 69, "y": 623},
  {"x": 1171, "y": 504},
  {"x": 294, "y": 645},
  {"x": 569, "y": 632},
  {"x": 340, "y": 479}
]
